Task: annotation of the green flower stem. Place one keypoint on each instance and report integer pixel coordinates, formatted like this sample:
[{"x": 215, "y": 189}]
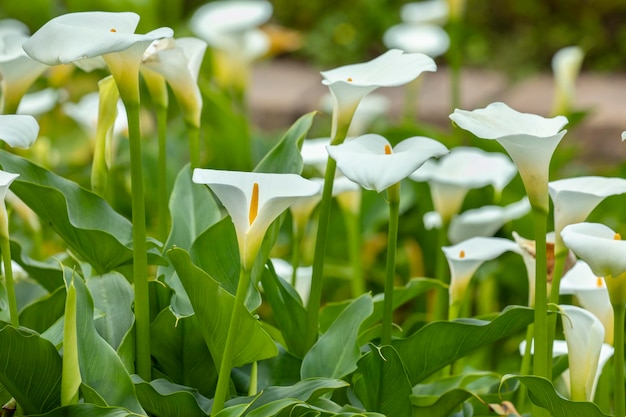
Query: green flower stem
[
  {"x": 239, "y": 308},
  {"x": 161, "y": 116},
  {"x": 194, "y": 145},
  {"x": 315, "y": 295},
  {"x": 393, "y": 200},
  {"x": 140, "y": 259},
  {"x": 618, "y": 358},
  {"x": 353, "y": 227},
  {"x": 296, "y": 248},
  {"x": 525, "y": 366},
  {"x": 441, "y": 272},
  {"x": 8, "y": 279},
  {"x": 557, "y": 273},
  {"x": 541, "y": 355}
]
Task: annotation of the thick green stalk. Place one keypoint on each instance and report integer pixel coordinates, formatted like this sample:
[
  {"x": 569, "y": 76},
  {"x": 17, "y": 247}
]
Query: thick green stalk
[
  {"x": 353, "y": 227},
  {"x": 393, "y": 200},
  {"x": 140, "y": 259},
  {"x": 541, "y": 355},
  {"x": 239, "y": 308},
  {"x": 618, "y": 358},
  {"x": 525, "y": 366},
  {"x": 161, "y": 116},
  {"x": 8, "y": 279}
]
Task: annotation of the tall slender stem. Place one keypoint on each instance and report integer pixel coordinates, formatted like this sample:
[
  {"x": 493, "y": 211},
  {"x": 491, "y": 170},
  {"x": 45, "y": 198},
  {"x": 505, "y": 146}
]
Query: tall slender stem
[
  {"x": 541, "y": 355},
  {"x": 560, "y": 255},
  {"x": 239, "y": 308},
  {"x": 296, "y": 248},
  {"x": 193, "y": 132},
  {"x": 140, "y": 260},
  {"x": 8, "y": 279},
  {"x": 161, "y": 116},
  {"x": 393, "y": 200},
  {"x": 441, "y": 273},
  {"x": 618, "y": 358},
  {"x": 353, "y": 223}
]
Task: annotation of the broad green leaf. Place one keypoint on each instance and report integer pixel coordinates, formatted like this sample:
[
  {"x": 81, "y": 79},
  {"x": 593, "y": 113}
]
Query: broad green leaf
[
  {"x": 181, "y": 353},
  {"x": 336, "y": 352},
  {"x": 48, "y": 274},
  {"x": 283, "y": 369},
  {"x": 441, "y": 406},
  {"x": 30, "y": 369},
  {"x": 193, "y": 210},
  {"x": 285, "y": 156},
  {"x": 44, "y": 312},
  {"x": 381, "y": 382},
  {"x": 213, "y": 306},
  {"x": 441, "y": 343},
  {"x": 542, "y": 393},
  {"x": 162, "y": 398},
  {"x": 304, "y": 390},
  {"x": 102, "y": 373},
  {"x": 401, "y": 295},
  {"x": 112, "y": 296},
  {"x": 87, "y": 410},
  {"x": 288, "y": 311},
  {"x": 89, "y": 226}
]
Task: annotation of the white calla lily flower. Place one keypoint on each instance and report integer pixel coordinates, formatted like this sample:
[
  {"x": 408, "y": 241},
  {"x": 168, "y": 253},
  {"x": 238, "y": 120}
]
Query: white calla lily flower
[
  {"x": 592, "y": 294},
  {"x": 254, "y": 201},
  {"x": 584, "y": 334},
  {"x": 350, "y": 83},
  {"x": 466, "y": 257},
  {"x": 18, "y": 131},
  {"x": 370, "y": 161},
  {"x": 303, "y": 277},
  {"x": 566, "y": 64},
  {"x": 428, "y": 11},
  {"x": 451, "y": 177},
  {"x": 575, "y": 198},
  {"x": 6, "y": 179},
  {"x": 529, "y": 139},
  {"x": 427, "y": 39}
]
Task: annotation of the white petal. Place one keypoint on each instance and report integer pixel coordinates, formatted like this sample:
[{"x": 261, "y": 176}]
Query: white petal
[
  {"x": 303, "y": 277},
  {"x": 19, "y": 131},
  {"x": 6, "y": 178},
  {"x": 314, "y": 152},
  {"x": 427, "y": 11},
  {"x": 432, "y": 220},
  {"x": 40, "y": 102},
  {"x": 427, "y": 39}
]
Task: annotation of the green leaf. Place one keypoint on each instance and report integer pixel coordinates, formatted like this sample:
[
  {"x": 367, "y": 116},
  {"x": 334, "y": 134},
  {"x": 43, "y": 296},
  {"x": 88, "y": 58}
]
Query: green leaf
[
  {"x": 87, "y": 410},
  {"x": 89, "y": 226},
  {"x": 542, "y": 393},
  {"x": 381, "y": 382},
  {"x": 44, "y": 312},
  {"x": 336, "y": 352},
  {"x": 162, "y": 398},
  {"x": 285, "y": 157},
  {"x": 48, "y": 274},
  {"x": 213, "y": 306},
  {"x": 441, "y": 343},
  {"x": 30, "y": 369},
  {"x": 288, "y": 311},
  {"x": 102, "y": 373},
  {"x": 181, "y": 353}
]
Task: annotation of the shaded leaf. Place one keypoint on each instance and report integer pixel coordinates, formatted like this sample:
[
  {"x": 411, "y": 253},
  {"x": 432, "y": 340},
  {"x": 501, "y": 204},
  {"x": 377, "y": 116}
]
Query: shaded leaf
[
  {"x": 162, "y": 398},
  {"x": 44, "y": 312},
  {"x": 48, "y": 274},
  {"x": 87, "y": 410}
]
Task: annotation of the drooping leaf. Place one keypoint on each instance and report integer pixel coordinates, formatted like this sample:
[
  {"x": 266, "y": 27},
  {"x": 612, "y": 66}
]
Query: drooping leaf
[
  {"x": 288, "y": 310},
  {"x": 30, "y": 369},
  {"x": 213, "y": 306},
  {"x": 89, "y": 226},
  {"x": 87, "y": 410},
  {"x": 44, "y": 312},
  {"x": 285, "y": 156},
  {"x": 181, "y": 353},
  {"x": 162, "y": 398},
  {"x": 542, "y": 393},
  {"x": 103, "y": 375},
  {"x": 381, "y": 382},
  {"x": 48, "y": 274},
  {"x": 340, "y": 342},
  {"x": 441, "y": 343}
]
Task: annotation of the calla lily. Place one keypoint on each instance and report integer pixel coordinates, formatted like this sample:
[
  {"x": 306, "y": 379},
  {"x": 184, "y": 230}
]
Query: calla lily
[
  {"x": 314, "y": 153},
  {"x": 451, "y": 177},
  {"x": 427, "y": 39},
  {"x": 18, "y": 131},
  {"x": 6, "y": 178},
  {"x": 529, "y": 139},
  {"x": 178, "y": 61},
  {"x": 350, "y": 83},
  {"x": 303, "y": 274},
  {"x": 575, "y": 198},
  {"x": 428, "y": 11},
  {"x": 584, "y": 334},
  {"x": 85, "y": 113},
  {"x": 369, "y": 109},
  {"x": 566, "y": 64},
  {"x": 254, "y": 201},
  {"x": 592, "y": 294},
  {"x": 370, "y": 161},
  {"x": 40, "y": 102},
  {"x": 466, "y": 257},
  {"x": 485, "y": 221},
  {"x": 17, "y": 70}
]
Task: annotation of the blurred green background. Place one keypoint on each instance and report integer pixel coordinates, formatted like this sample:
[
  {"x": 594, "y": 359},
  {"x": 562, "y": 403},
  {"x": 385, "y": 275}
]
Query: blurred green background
[{"x": 516, "y": 37}]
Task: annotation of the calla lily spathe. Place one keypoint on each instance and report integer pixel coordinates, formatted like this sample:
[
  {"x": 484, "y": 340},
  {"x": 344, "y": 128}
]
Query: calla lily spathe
[
  {"x": 18, "y": 131},
  {"x": 370, "y": 161},
  {"x": 350, "y": 83},
  {"x": 566, "y": 64},
  {"x": 592, "y": 294},
  {"x": 252, "y": 211},
  {"x": 464, "y": 168},
  {"x": 427, "y": 39},
  {"x": 584, "y": 335},
  {"x": 423, "y": 12},
  {"x": 529, "y": 139},
  {"x": 466, "y": 257}
]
